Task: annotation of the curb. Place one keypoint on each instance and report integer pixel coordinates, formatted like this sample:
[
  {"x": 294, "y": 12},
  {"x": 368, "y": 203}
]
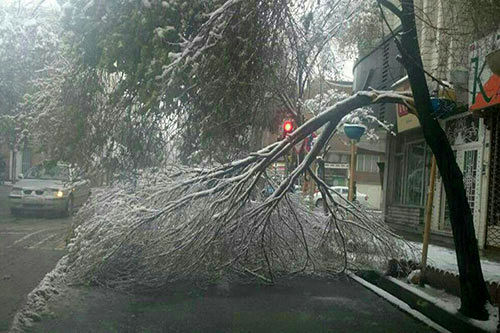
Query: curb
[
  {"x": 438, "y": 315},
  {"x": 398, "y": 303}
]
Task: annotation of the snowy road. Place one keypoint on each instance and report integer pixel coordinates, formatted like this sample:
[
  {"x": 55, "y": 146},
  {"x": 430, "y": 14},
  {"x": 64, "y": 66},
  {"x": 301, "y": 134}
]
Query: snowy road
[{"x": 29, "y": 248}]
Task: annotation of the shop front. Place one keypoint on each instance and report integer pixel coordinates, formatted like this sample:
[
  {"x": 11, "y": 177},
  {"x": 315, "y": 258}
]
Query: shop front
[
  {"x": 409, "y": 163},
  {"x": 484, "y": 102}
]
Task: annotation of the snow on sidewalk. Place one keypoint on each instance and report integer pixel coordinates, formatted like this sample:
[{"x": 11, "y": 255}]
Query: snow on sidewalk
[
  {"x": 446, "y": 259},
  {"x": 451, "y": 304}
]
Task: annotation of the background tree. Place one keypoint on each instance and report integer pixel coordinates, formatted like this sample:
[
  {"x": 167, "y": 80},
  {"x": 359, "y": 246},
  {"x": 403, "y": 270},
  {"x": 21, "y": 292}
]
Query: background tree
[
  {"x": 28, "y": 45},
  {"x": 253, "y": 63}
]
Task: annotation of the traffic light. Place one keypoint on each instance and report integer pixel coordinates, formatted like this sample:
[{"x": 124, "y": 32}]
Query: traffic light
[{"x": 288, "y": 127}]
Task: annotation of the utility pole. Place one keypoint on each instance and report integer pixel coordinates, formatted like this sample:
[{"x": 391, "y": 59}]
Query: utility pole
[
  {"x": 352, "y": 170},
  {"x": 428, "y": 215},
  {"x": 354, "y": 133}
]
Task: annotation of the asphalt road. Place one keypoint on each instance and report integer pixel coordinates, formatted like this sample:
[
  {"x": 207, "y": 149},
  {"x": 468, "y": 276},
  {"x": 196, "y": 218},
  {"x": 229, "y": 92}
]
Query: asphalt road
[
  {"x": 297, "y": 305},
  {"x": 30, "y": 246}
]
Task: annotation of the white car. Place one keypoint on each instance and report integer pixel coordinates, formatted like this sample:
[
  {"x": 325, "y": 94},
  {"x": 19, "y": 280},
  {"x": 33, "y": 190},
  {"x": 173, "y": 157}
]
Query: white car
[
  {"x": 343, "y": 191},
  {"x": 49, "y": 188}
]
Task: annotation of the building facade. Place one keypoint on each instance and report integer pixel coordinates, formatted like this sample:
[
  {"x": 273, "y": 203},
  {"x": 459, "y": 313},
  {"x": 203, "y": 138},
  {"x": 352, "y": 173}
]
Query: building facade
[
  {"x": 367, "y": 176},
  {"x": 472, "y": 135},
  {"x": 17, "y": 161}
]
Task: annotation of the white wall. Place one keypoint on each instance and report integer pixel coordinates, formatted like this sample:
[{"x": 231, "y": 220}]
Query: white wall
[
  {"x": 374, "y": 193},
  {"x": 19, "y": 164},
  {"x": 10, "y": 166}
]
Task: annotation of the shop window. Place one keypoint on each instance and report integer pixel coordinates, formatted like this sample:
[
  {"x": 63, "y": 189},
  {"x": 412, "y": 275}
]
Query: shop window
[
  {"x": 414, "y": 182},
  {"x": 367, "y": 163},
  {"x": 462, "y": 130},
  {"x": 412, "y": 169},
  {"x": 470, "y": 174},
  {"x": 398, "y": 180},
  {"x": 360, "y": 162}
]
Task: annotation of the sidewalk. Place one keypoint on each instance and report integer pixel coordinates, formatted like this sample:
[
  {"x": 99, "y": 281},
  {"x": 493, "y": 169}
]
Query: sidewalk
[{"x": 446, "y": 259}]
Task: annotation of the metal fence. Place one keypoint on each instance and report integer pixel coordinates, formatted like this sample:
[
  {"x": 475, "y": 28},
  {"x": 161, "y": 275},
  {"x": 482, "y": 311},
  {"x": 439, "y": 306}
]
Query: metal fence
[{"x": 493, "y": 220}]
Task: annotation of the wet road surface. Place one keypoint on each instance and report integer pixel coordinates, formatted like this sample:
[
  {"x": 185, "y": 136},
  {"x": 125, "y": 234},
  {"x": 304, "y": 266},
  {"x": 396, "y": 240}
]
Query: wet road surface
[{"x": 30, "y": 246}]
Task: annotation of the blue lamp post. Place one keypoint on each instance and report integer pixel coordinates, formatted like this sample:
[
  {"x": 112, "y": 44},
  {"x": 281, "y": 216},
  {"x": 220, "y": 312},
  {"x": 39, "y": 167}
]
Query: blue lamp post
[{"x": 354, "y": 133}]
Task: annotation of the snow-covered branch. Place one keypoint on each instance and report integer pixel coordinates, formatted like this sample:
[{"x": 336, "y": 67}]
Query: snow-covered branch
[
  {"x": 186, "y": 224},
  {"x": 207, "y": 36}
]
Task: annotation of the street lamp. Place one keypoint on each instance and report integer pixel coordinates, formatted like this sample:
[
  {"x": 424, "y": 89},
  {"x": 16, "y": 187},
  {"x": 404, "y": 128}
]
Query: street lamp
[{"x": 354, "y": 133}]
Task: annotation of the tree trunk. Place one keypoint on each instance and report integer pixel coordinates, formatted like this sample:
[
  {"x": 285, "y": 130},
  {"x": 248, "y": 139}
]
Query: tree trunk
[{"x": 474, "y": 294}]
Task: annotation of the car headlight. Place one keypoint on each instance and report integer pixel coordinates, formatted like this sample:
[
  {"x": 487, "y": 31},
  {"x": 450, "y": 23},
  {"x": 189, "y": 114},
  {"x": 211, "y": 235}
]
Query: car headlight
[
  {"x": 16, "y": 191},
  {"x": 54, "y": 192}
]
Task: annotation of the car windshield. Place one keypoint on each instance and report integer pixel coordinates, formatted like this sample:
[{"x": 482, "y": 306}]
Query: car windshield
[{"x": 52, "y": 172}]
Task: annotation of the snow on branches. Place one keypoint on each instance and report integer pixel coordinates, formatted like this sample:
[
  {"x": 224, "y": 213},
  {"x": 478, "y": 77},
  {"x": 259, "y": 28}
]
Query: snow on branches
[
  {"x": 208, "y": 35},
  {"x": 363, "y": 116},
  {"x": 199, "y": 225}
]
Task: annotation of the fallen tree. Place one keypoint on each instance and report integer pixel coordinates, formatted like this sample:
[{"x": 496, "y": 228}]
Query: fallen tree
[{"x": 202, "y": 225}]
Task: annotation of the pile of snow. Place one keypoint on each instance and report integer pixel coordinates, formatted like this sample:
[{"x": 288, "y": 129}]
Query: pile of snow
[{"x": 37, "y": 302}]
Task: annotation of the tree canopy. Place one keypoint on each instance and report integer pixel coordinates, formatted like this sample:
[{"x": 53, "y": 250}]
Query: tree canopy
[
  {"x": 28, "y": 45},
  {"x": 194, "y": 80}
]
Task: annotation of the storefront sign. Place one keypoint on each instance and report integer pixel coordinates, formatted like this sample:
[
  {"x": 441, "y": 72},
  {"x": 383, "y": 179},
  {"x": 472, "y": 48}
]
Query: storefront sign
[
  {"x": 484, "y": 85},
  {"x": 337, "y": 165},
  {"x": 405, "y": 120}
]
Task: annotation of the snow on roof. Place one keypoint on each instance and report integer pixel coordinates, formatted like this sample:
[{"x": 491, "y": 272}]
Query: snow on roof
[{"x": 400, "y": 81}]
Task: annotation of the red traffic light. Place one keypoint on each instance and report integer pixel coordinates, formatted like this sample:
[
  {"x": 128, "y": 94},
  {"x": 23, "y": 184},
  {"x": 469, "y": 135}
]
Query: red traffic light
[{"x": 288, "y": 126}]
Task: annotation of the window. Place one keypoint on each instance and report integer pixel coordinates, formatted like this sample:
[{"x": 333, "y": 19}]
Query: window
[
  {"x": 373, "y": 164},
  {"x": 26, "y": 160},
  {"x": 48, "y": 172},
  {"x": 360, "y": 163},
  {"x": 462, "y": 130},
  {"x": 333, "y": 158},
  {"x": 470, "y": 174},
  {"x": 412, "y": 168},
  {"x": 367, "y": 163},
  {"x": 414, "y": 180},
  {"x": 398, "y": 179}
]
